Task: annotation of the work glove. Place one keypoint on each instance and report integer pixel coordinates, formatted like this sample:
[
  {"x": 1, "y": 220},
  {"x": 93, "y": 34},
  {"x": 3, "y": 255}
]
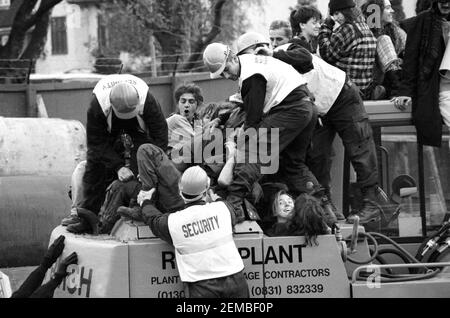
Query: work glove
[
  {"x": 61, "y": 272},
  {"x": 329, "y": 23},
  {"x": 145, "y": 195},
  {"x": 53, "y": 252}
]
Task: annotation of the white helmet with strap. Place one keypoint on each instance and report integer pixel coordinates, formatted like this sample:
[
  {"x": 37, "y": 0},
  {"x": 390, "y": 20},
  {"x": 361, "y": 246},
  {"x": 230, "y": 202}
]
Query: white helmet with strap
[
  {"x": 250, "y": 39},
  {"x": 193, "y": 184}
]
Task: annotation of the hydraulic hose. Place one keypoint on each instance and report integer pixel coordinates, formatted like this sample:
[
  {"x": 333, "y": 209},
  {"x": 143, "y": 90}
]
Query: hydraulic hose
[
  {"x": 386, "y": 278},
  {"x": 432, "y": 240},
  {"x": 395, "y": 252},
  {"x": 406, "y": 256},
  {"x": 406, "y": 253},
  {"x": 374, "y": 255},
  {"x": 439, "y": 252},
  {"x": 381, "y": 260}
]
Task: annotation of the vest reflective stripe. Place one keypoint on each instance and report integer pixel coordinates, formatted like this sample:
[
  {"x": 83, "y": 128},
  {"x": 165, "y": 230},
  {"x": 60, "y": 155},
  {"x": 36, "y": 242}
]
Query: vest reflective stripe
[
  {"x": 281, "y": 78},
  {"x": 325, "y": 82},
  {"x": 203, "y": 239},
  {"x": 103, "y": 89}
]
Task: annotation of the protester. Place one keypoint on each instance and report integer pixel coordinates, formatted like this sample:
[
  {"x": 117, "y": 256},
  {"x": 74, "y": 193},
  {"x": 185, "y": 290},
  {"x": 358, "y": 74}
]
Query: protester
[
  {"x": 391, "y": 41},
  {"x": 345, "y": 41},
  {"x": 31, "y": 287},
  {"x": 184, "y": 125},
  {"x": 305, "y": 24},
  {"x": 274, "y": 96},
  {"x": 306, "y": 219},
  {"x": 279, "y": 32},
  {"x": 200, "y": 231},
  {"x": 425, "y": 48},
  {"x": 282, "y": 211},
  {"x": 123, "y": 115}
]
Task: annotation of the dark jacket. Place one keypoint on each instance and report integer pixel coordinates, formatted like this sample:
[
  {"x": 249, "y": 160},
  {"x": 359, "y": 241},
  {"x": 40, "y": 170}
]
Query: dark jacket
[
  {"x": 31, "y": 287},
  {"x": 296, "y": 55},
  {"x": 424, "y": 51},
  {"x": 310, "y": 46},
  {"x": 104, "y": 147}
]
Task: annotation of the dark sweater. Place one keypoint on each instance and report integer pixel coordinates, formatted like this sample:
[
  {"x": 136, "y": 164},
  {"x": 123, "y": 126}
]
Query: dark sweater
[
  {"x": 31, "y": 287},
  {"x": 103, "y": 146}
]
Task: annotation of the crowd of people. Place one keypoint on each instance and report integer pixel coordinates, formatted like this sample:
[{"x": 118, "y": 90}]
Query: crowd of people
[{"x": 298, "y": 88}]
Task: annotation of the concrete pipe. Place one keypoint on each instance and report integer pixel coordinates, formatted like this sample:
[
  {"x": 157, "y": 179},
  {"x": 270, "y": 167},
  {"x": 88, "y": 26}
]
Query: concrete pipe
[
  {"x": 30, "y": 208},
  {"x": 40, "y": 146},
  {"x": 37, "y": 158}
]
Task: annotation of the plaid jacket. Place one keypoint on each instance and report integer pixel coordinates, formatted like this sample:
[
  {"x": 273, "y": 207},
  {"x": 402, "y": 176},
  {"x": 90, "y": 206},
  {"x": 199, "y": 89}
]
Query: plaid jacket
[
  {"x": 388, "y": 59},
  {"x": 352, "y": 48}
]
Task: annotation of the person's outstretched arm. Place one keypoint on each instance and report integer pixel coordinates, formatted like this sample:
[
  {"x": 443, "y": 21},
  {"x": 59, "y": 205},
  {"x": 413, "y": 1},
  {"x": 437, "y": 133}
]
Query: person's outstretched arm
[
  {"x": 34, "y": 280},
  {"x": 48, "y": 289}
]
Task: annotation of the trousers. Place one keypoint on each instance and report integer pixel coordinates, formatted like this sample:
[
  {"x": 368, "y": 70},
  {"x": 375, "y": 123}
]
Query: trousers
[
  {"x": 295, "y": 122},
  {"x": 157, "y": 171},
  {"x": 348, "y": 118},
  {"x": 233, "y": 286}
]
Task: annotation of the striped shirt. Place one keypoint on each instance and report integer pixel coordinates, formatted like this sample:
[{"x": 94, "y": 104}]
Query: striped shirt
[{"x": 352, "y": 48}]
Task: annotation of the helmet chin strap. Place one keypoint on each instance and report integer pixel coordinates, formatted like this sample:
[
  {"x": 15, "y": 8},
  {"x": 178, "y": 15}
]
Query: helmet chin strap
[{"x": 194, "y": 199}]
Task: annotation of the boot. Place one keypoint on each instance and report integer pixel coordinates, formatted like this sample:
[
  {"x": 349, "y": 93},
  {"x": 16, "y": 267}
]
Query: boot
[
  {"x": 134, "y": 213},
  {"x": 370, "y": 212},
  {"x": 71, "y": 219},
  {"x": 373, "y": 200},
  {"x": 88, "y": 223},
  {"x": 328, "y": 203},
  {"x": 81, "y": 227}
]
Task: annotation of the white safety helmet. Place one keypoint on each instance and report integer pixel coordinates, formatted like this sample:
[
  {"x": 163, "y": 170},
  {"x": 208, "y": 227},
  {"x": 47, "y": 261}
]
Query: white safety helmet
[
  {"x": 215, "y": 58},
  {"x": 193, "y": 184},
  {"x": 249, "y": 39}
]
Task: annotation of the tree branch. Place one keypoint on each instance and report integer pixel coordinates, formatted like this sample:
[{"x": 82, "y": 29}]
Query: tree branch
[{"x": 45, "y": 6}]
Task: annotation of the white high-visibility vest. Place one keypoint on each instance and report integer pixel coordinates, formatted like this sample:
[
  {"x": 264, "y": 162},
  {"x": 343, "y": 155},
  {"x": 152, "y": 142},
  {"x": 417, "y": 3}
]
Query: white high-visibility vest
[
  {"x": 203, "y": 239},
  {"x": 325, "y": 82},
  {"x": 281, "y": 78},
  {"x": 103, "y": 89}
]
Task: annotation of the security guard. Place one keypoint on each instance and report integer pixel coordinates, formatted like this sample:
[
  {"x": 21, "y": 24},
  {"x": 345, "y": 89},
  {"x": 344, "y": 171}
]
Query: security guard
[
  {"x": 275, "y": 98},
  {"x": 202, "y": 233}
]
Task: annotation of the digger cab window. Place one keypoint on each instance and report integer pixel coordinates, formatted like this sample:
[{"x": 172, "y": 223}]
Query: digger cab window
[{"x": 415, "y": 180}]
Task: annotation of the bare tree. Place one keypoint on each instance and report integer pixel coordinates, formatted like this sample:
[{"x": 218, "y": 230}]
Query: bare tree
[
  {"x": 31, "y": 16},
  {"x": 182, "y": 28},
  {"x": 26, "y": 39}
]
